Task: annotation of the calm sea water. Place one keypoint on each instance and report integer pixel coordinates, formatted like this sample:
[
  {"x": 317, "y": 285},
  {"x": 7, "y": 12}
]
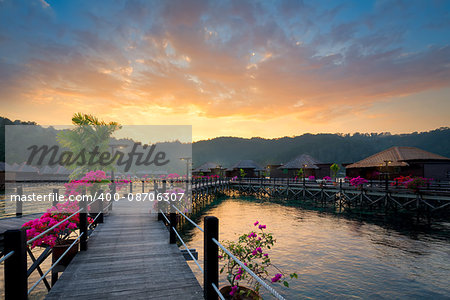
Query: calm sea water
[{"x": 339, "y": 258}]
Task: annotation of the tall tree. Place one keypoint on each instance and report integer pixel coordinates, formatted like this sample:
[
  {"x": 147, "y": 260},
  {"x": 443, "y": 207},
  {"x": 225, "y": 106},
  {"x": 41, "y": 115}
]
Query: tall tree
[{"x": 89, "y": 133}]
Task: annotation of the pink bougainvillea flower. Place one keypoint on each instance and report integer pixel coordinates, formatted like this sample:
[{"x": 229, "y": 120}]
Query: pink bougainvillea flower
[
  {"x": 262, "y": 226},
  {"x": 277, "y": 277},
  {"x": 256, "y": 223},
  {"x": 233, "y": 290}
]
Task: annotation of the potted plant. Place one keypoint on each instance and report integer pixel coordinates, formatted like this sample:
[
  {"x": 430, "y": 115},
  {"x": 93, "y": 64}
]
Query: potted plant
[
  {"x": 60, "y": 237},
  {"x": 252, "y": 250}
]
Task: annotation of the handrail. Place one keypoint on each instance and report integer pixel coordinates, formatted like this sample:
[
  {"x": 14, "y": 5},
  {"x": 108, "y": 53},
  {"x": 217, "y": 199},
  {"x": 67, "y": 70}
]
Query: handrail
[
  {"x": 181, "y": 240},
  {"x": 108, "y": 205},
  {"x": 6, "y": 256},
  {"x": 217, "y": 291},
  {"x": 164, "y": 215},
  {"x": 95, "y": 196},
  {"x": 187, "y": 218},
  {"x": 55, "y": 264},
  {"x": 53, "y": 227},
  {"x": 187, "y": 249},
  {"x": 263, "y": 283}
]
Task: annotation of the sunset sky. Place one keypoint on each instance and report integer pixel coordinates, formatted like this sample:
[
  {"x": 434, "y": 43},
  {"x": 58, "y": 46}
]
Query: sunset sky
[{"x": 229, "y": 68}]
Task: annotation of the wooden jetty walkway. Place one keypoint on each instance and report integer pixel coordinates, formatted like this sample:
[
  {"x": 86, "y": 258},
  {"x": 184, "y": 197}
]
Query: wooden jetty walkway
[
  {"x": 129, "y": 256},
  {"x": 14, "y": 223},
  {"x": 426, "y": 201}
]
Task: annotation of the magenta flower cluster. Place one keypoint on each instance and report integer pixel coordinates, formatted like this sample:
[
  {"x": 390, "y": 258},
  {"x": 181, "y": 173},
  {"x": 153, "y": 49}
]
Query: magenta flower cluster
[
  {"x": 250, "y": 249},
  {"x": 49, "y": 219},
  {"x": 277, "y": 277},
  {"x": 358, "y": 181}
]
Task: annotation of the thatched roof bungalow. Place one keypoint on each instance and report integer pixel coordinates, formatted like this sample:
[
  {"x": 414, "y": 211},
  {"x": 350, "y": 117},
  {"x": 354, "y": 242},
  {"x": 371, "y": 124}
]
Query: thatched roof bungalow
[
  {"x": 310, "y": 166},
  {"x": 250, "y": 168},
  {"x": 207, "y": 169},
  {"x": 404, "y": 161}
]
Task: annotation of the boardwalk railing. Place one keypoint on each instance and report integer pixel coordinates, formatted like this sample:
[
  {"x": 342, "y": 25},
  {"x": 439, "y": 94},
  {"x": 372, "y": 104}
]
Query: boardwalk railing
[
  {"x": 16, "y": 249},
  {"x": 211, "y": 254},
  {"x": 425, "y": 202}
]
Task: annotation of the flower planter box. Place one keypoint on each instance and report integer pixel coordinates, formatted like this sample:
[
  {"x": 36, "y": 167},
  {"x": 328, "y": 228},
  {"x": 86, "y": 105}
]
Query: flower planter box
[{"x": 225, "y": 291}]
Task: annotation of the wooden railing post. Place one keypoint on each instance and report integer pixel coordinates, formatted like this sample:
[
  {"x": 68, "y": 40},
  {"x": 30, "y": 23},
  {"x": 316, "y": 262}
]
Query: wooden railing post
[
  {"x": 113, "y": 191},
  {"x": 19, "y": 203},
  {"x": 15, "y": 271},
  {"x": 143, "y": 186},
  {"x": 131, "y": 186},
  {"x": 155, "y": 188},
  {"x": 83, "y": 225},
  {"x": 173, "y": 227},
  {"x": 211, "y": 257},
  {"x": 100, "y": 207},
  {"x": 56, "y": 199}
]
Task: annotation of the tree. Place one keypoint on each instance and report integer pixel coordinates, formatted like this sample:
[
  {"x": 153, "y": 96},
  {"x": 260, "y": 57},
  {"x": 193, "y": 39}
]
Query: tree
[
  {"x": 334, "y": 169},
  {"x": 89, "y": 133},
  {"x": 242, "y": 173}
]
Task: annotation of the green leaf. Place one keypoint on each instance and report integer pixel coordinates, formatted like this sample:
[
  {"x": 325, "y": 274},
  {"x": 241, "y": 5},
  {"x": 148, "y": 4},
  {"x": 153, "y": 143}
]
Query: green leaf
[{"x": 286, "y": 284}]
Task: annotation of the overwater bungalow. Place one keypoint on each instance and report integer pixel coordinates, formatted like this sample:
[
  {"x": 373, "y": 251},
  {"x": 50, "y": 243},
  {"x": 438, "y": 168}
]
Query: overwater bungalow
[
  {"x": 274, "y": 170},
  {"x": 309, "y": 166},
  {"x": 401, "y": 161},
  {"x": 22, "y": 171},
  {"x": 250, "y": 168},
  {"x": 208, "y": 169}
]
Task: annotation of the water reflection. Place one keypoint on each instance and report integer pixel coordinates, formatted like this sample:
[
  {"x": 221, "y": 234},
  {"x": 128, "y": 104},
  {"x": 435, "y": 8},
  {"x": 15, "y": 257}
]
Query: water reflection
[{"x": 336, "y": 257}]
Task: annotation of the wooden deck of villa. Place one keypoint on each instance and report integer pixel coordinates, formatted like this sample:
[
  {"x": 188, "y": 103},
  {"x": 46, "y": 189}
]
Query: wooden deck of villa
[{"x": 129, "y": 256}]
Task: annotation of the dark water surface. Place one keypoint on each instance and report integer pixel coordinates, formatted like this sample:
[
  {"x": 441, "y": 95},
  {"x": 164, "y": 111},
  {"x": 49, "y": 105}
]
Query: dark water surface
[{"x": 339, "y": 258}]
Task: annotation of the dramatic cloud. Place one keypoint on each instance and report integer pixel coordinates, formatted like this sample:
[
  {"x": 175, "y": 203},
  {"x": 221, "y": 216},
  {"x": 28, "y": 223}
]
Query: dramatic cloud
[{"x": 256, "y": 68}]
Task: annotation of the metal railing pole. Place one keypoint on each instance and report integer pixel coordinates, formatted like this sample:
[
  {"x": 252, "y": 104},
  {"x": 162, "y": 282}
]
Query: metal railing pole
[
  {"x": 173, "y": 227},
  {"x": 15, "y": 271},
  {"x": 211, "y": 257},
  {"x": 83, "y": 225}
]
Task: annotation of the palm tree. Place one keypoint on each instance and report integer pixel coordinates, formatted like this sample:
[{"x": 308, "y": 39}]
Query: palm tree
[{"x": 89, "y": 133}]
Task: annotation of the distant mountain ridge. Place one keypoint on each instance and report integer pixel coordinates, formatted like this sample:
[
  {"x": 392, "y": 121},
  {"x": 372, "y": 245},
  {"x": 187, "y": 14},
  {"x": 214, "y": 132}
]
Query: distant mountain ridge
[{"x": 339, "y": 148}]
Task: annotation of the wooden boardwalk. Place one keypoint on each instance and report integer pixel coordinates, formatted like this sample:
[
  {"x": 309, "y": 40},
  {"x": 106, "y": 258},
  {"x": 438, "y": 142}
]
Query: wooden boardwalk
[
  {"x": 14, "y": 223},
  {"x": 128, "y": 256}
]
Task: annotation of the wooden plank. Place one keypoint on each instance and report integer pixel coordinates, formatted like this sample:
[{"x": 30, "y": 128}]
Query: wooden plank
[{"x": 128, "y": 256}]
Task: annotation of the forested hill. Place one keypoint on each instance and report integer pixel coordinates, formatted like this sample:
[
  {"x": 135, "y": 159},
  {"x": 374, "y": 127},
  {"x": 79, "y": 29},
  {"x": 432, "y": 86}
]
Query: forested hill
[{"x": 324, "y": 147}]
